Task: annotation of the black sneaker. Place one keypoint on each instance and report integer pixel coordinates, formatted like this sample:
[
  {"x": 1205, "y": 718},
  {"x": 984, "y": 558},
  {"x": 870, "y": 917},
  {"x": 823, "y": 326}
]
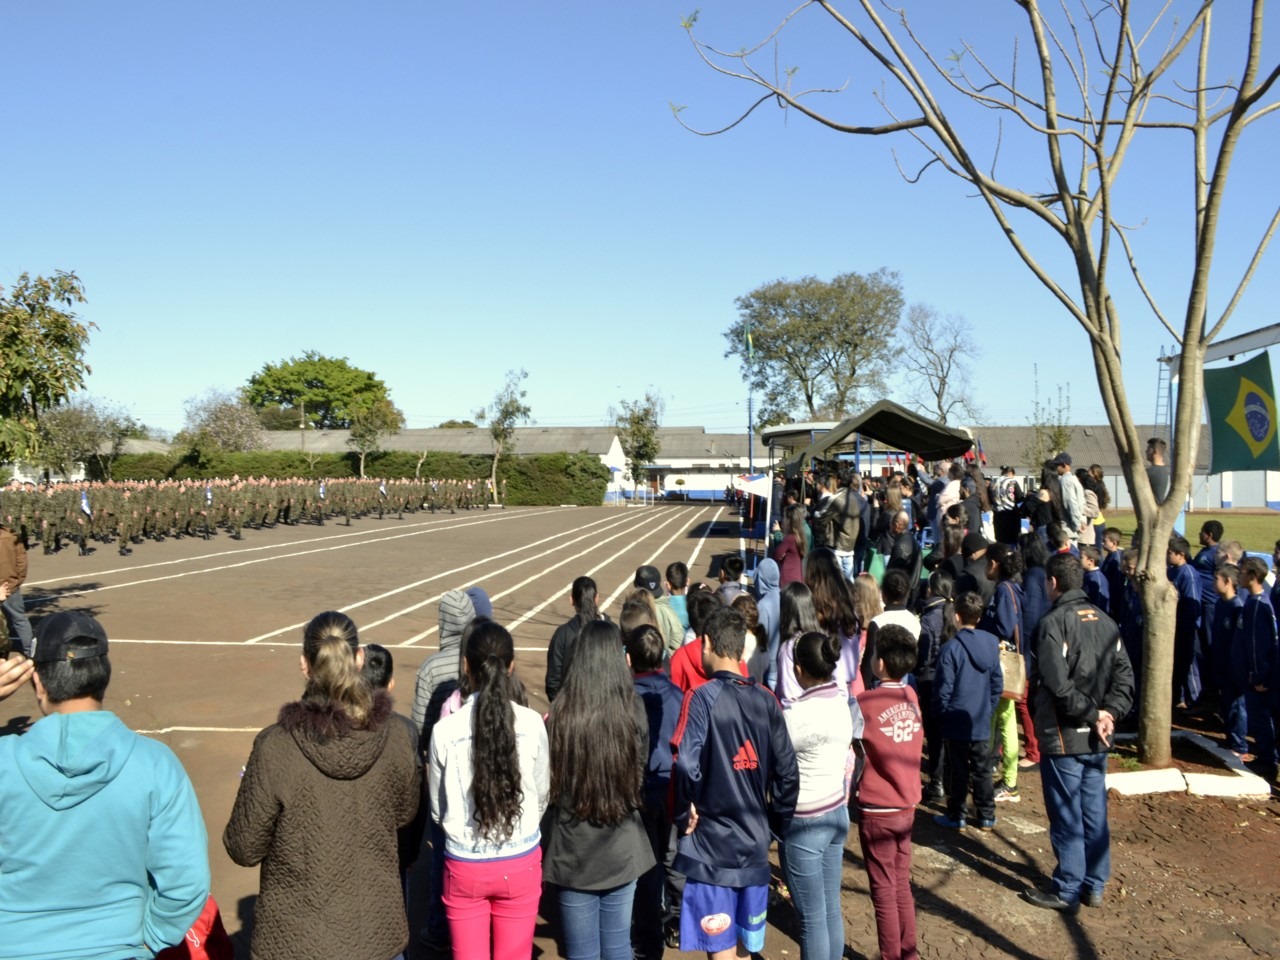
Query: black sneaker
[
  {"x": 1049, "y": 901},
  {"x": 1091, "y": 898}
]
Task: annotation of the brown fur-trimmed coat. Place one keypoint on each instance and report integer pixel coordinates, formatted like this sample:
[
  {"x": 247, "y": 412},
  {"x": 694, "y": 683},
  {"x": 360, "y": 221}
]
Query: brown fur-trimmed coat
[{"x": 318, "y": 808}]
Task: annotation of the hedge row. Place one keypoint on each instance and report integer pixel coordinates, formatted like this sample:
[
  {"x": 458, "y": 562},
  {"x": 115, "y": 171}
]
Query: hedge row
[{"x": 550, "y": 478}]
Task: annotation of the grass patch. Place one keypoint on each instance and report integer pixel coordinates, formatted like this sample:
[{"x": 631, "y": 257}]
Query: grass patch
[{"x": 1256, "y": 530}]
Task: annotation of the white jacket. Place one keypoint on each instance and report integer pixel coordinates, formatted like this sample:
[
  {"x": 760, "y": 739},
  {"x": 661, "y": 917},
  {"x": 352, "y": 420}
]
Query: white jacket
[{"x": 450, "y": 775}]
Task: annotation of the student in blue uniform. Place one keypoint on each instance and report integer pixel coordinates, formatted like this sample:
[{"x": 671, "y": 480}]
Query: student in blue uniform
[
  {"x": 1205, "y": 563},
  {"x": 1186, "y": 629},
  {"x": 1132, "y": 620},
  {"x": 1256, "y": 655},
  {"x": 1096, "y": 587},
  {"x": 1113, "y": 570},
  {"x": 1226, "y": 616}
]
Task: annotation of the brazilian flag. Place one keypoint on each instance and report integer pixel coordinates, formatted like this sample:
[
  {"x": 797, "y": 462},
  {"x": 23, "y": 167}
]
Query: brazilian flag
[{"x": 1242, "y": 416}]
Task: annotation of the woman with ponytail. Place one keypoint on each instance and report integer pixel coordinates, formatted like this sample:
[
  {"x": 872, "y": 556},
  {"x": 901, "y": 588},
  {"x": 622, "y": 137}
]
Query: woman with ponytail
[
  {"x": 488, "y": 782},
  {"x": 821, "y": 728},
  {"x": 597, "y": 846},
  {"x": 583, "y": 597},
  {"x": 320, "y": 801}
]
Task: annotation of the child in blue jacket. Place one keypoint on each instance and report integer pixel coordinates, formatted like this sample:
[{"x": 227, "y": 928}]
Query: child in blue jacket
[{"x": 967, "y": 688}]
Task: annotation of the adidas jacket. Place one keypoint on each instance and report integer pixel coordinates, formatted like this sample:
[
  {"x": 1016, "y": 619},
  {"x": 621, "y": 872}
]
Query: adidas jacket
[{"x": 735, "y": 763}]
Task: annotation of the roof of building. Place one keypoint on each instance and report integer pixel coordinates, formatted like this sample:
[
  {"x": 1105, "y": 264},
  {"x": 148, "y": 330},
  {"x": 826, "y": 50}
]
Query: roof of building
[{"x": 1090, "y": 444}]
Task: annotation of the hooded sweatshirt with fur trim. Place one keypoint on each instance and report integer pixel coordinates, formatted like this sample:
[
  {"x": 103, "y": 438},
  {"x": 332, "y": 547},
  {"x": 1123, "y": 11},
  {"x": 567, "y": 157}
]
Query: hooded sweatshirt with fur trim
[
  {"x": 318, "y": 808},
  {"x": 103, "y": 851}
]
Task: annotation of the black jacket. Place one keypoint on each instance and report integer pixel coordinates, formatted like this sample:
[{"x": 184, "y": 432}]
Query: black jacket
[{"x": 1082, "y": 668}]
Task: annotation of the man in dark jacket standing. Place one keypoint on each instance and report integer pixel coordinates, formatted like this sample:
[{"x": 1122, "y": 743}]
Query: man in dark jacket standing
[{"x": 1085, "y": 683}]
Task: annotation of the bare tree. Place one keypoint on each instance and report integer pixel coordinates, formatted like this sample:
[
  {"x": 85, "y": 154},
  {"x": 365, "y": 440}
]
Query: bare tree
[
  {"x": 219, "y": 420},
  {"x": 1102, "y": 76},
  {"x": 935, "y": 356}
]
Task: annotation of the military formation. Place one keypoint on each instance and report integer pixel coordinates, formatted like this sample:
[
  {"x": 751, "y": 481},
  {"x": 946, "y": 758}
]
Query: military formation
[{"x": 125, "y": 513}]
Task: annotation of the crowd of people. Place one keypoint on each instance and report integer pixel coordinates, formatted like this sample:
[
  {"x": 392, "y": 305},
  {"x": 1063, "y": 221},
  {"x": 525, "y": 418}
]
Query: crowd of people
[{"x": 854, "y": 676}]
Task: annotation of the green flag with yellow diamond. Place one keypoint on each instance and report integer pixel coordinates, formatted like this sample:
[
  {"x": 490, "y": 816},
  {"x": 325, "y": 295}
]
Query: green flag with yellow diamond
[{"x": 1242, "y": 416}]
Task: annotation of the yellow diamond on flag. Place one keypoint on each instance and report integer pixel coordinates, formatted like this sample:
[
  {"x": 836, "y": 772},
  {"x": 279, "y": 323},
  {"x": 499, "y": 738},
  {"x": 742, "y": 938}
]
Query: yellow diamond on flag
[{"x": 1253, "y": 416}]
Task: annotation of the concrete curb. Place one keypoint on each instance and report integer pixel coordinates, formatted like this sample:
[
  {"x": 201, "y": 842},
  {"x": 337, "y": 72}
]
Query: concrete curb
[{"x": 1239, "y": 782}]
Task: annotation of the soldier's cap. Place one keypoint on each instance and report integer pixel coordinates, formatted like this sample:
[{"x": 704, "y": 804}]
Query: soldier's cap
[
  {"x": 57, "y": 632},
  {"x": 649, "y": 578}
]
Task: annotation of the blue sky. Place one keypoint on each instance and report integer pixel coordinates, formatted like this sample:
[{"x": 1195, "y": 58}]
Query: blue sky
[{"x": 441, "y": 192}]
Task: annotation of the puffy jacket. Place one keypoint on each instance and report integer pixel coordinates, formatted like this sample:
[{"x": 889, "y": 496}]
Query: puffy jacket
[{"x": 1082, "y": 668}]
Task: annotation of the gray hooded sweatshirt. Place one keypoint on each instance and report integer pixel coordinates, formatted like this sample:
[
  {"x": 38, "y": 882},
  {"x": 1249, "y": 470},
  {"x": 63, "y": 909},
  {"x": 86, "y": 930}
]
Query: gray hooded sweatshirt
[{"x": 456, "y": 611}]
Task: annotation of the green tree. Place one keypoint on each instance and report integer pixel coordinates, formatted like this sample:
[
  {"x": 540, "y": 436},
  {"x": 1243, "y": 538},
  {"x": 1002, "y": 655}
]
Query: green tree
[
  {"x": 1102, "y": 79},
  {"x": 637, "y": 423},
  {"x": 321, "y": 390},
  {"x": 83, "y": 431},
  {"x": 370, "y": 423},
  {"x": 817, "y": 349},
  {"x": 457, "y": 425},
  {"x": 507, "y": 409},
  {"x": 42, "y": 344}
]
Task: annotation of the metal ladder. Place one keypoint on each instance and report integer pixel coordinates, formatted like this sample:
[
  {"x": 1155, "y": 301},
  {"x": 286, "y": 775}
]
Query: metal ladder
[{"x": 1164, "y": 411}]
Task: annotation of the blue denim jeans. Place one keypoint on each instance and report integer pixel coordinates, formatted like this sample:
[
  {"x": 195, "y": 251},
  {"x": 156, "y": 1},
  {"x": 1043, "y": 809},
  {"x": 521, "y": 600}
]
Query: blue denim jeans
[
  {"x": 1075, "y": 797},
  {"x": 814, "y": 855},
  {"x": 15, "y": 613},
  {"x": 596, "y": 924}
]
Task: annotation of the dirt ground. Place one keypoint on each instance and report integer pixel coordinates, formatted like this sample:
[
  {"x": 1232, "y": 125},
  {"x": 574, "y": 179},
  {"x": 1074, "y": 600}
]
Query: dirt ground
[{"x": 205, "y": 642}]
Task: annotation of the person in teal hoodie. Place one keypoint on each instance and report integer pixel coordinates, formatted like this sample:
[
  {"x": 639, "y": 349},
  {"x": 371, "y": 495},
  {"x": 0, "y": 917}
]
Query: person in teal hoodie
[{"x": 104, "y": 853}]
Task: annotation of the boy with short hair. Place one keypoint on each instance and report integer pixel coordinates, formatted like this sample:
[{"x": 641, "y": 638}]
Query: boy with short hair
[
  {"x": 894, "y": 591},
  {"x": 734, "y": 782},
  {"x": 966, "y": 689},
  {"x": 656, "y": 912},
  {"x": 1112, "y": 569},
  {"x": 677, "y": 586},
  {"x": 1186, "y": 628},
  {"x": 1255, "y": 659},
  {"x": 890, "y": 789},
  {"x": 1096, "y": 587},
  {"x": 1226, "y": 615},
  {"x": 730, "y": 576}
]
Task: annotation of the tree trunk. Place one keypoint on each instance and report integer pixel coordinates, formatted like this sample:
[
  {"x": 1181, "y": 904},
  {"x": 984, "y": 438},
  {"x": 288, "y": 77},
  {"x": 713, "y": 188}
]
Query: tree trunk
[
  {"x": 1159, "y": 609},
  {"x": 493, "y": 472},
  {"x": 362, "y": 455}
]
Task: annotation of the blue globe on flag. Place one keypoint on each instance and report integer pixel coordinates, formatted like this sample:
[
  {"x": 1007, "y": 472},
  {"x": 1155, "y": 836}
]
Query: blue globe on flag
[{"x": 1256, "y": 416}]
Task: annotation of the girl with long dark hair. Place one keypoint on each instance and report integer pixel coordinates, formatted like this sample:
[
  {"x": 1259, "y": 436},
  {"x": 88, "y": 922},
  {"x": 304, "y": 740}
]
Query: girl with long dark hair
[
  {"x": 821, "y": 729},
  {"x": 791, "y": 550},
  {"x": 837, "y": 613},
  {"x": 596, "y": 841},
  {"x": 583, "y": 597},
  {"x": 796, "y": 617},
  {"x": 488, "y": 781},
  {"x": 321, "y": 799}
]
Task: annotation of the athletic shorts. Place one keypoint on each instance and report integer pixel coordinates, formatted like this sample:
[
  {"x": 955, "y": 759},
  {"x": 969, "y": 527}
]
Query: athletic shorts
[{"x": 715, "y": 918}]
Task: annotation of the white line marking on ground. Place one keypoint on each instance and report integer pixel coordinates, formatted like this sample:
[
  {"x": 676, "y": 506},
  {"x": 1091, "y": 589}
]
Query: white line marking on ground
[
  {"x": 240, "y": 551},
  {"x": 557, "y": 536},
  {"x": 283, "y": 643},
  {"x": 631, "y": 529},
  {"x": 164, "y": 730},
  {"x": 254, "y": 562},
  {"x": 693, "y": 560},
  {"x": 630, "y": 580},
  {"x": 569, "y": 586}
]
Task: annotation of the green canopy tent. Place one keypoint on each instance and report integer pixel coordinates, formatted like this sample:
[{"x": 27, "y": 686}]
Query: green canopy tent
[{"x": 892, "y": 425}]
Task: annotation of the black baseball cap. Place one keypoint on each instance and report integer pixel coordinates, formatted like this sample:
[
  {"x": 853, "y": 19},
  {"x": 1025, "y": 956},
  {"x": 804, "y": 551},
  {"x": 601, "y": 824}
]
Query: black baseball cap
[
  {"x": 649, "y": 578},
  {"x": 55, "y": 633}
]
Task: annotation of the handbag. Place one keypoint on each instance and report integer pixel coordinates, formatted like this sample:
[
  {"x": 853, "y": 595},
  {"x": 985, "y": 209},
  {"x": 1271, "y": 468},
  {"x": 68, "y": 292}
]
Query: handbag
[
  {"x": 1013, "y": 668},
  {"x": 1013, "y": 665}
]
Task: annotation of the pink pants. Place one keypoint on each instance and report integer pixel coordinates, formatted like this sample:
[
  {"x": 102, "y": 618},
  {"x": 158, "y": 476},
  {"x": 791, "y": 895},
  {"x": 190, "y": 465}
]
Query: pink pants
[{"x": 498, "y": 896}]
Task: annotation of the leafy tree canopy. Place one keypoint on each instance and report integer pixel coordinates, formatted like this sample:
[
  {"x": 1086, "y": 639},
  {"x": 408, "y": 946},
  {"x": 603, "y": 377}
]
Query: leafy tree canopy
[
  {"x": 219, "y": 420},
  {"x": 83, "y": 431},
  {"x": 42, "y": 344},
  {"x": 323, "y": 390},
  {"x": 457, "y": 425},
  {"x": 507, "y": 409},
  {"x": 817, "y": 349},
  {"x": 637, "y": 422},
  {"x": 370, "y": 422}
]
